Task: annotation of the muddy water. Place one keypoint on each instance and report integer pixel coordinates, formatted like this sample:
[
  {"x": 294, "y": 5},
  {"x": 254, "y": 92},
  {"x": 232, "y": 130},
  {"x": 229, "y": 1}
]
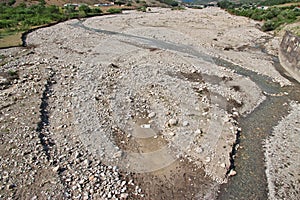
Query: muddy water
[{"x": 250, "y": 181}]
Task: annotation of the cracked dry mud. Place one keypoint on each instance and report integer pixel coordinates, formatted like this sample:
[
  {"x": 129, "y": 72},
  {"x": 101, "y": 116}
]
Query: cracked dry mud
[{"x": 128, "y": 106}]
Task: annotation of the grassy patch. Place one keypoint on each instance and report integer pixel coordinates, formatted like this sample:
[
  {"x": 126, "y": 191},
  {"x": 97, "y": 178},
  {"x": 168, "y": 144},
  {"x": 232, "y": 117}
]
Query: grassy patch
[
  {"x": 10, "y": 39},
  {"x": 17, "y": 19}
]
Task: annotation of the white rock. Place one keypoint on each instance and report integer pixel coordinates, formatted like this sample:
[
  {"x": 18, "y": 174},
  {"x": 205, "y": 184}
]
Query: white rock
[
  {"x": 232, "y": 173},
  {"x": 151, "y": 115},
  {"x": 55, "y": 169},
  {"x": 185, "y": 123},
  {"x": 207, "y": 159},
  {"x": 124, "y": 196},
  {"x": 171, "y": 133},
  {"x": 173, "y": 122},
  {"x": 118, "y": 154},
  {"x": 145, "y": 126}
]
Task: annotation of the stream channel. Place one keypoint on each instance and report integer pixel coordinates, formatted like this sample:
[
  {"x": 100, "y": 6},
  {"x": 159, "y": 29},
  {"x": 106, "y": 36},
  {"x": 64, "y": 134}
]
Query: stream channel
[{"x": 250, "y": 181}]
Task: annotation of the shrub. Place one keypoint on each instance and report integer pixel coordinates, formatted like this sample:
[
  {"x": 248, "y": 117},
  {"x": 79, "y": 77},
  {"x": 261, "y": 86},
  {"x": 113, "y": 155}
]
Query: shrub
[
  {"x": 142, "y": 9},
  {"x": 178, "y": 8},
  {"x": 114, "y": 10},
  {"x": 269, "y": 25},
  {"x": 97, "y": 11},
  {"x": 85, "y": 9}
]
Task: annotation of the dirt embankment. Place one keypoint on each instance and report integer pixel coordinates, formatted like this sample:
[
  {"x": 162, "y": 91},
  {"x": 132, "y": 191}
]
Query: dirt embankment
[{"x": 129, "y": 106}]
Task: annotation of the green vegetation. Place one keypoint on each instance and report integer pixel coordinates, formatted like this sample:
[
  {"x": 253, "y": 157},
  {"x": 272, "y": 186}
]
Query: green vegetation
[
  {"x": 230, "y": 4},
  {"x": 114, "y": 10},
  {"x": 142, "y": 9},
  {"x": 276, "y": 2},
  {"x": 273, "y": 16},
  {"x": 12, "y": 73},
  {"x": 15, "y": 19},
  {"x": 172, "y": 3},
  {"x": 264, "y": 2},
  {"x": 178, "y": 8}
]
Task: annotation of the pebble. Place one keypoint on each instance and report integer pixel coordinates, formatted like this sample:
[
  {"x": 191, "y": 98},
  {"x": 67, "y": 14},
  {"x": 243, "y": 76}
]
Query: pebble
[
  {"x": 232, "y": 173},
  {"x": 173, "y": 122},
  {"x": 118, "y": 154},
  {"x": 124, "y": 195},
  {"x": 172, "y": 134},
  {"x": 55, "y": 169},
  {"x": 185, "y": 123},
  {"x": 151, "y": 115},
  {"x": 207, "y": 159},
  {"x": 146, "y": 126}
]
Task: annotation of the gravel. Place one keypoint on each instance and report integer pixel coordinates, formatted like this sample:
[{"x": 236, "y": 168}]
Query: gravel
[
  {"x": 282, "y": 157},
  {"x": 102, "y": 107}
]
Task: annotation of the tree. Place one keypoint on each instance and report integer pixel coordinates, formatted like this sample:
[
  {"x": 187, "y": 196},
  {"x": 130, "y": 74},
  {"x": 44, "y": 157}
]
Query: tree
[{"x": 85, "y": 9}]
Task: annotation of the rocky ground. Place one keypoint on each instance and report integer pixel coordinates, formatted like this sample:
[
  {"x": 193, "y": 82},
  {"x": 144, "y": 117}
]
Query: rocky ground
[
  {"x": 128, "y": 106},
  {"x": 282, "y": 157}
]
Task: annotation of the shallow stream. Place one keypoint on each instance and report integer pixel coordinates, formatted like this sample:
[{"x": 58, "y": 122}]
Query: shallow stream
[{"x": 250, "y": 181}]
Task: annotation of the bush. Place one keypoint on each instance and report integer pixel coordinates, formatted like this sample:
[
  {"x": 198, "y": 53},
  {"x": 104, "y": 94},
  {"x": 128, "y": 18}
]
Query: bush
[
  {"x": 178, "y": 8},
  {"x": 273, "y": 17},
  {"x": 97, "y": 11},
  {"x": 269, "y": 26},
  {"x": 85, "y": 9},
  {"x": 142, "y": 9},
  {"x": 114, "y": 10}
]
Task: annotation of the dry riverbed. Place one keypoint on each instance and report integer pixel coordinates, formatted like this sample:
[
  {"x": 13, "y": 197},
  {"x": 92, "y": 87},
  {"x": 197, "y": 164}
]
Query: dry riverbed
[{"x": 129, "y": 106}]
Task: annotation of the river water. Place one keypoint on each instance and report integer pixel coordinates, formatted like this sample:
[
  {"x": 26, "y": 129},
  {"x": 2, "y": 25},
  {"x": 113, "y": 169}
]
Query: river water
[{"x": 250, "y": 181}]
